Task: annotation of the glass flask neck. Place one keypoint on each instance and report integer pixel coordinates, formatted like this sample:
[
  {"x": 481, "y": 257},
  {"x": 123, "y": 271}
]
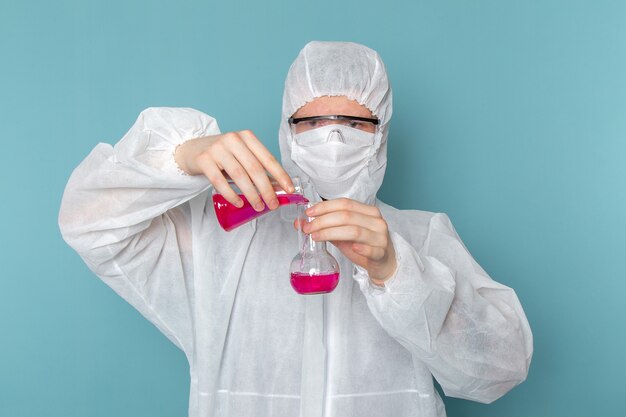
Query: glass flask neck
[{"x": 310, "y": 245}]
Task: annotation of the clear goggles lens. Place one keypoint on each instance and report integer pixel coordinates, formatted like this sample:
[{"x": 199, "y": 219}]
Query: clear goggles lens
[{"x": 304, "y": 124}]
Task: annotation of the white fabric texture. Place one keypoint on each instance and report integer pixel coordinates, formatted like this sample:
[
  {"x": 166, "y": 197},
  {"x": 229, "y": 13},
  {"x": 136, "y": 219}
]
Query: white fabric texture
[{"x": 254, "y": 346}]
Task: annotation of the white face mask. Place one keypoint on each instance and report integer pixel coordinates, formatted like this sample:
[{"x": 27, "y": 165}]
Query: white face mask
[{"x": 332, "y": 156}]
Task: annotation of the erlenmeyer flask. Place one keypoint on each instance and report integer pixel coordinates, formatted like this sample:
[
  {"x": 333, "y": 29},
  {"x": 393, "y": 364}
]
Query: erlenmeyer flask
[
  {"x": 230, "y": 216},
  {"x": 313, "y": 270}
]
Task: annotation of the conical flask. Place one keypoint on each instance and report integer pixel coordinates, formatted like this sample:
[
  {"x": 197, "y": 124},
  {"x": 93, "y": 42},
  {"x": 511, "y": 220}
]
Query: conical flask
[{"x": 230, "y": 216}]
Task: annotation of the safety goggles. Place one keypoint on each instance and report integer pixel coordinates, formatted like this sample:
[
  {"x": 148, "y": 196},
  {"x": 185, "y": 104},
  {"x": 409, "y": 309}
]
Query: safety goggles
[
  {"x": 304, "y": 124},
  {"x": 335, "y": 133}
]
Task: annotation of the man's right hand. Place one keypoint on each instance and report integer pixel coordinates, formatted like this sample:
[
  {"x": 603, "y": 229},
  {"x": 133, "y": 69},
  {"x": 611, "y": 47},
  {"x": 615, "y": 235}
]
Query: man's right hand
[{"x": 241, "y": 157}]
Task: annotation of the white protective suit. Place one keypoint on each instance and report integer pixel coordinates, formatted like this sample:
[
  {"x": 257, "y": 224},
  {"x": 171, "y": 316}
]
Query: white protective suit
[{"x": 254, "y": 346}]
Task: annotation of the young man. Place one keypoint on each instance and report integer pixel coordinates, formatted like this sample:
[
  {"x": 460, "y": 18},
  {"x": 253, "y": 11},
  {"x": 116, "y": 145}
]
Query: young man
[{"x": 411, "y": 304}]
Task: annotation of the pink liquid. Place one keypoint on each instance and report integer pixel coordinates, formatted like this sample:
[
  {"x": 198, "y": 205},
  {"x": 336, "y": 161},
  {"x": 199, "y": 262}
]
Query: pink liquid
[
  {"x": 230, "y": 216},
  {"x": 314, "y": 284}
]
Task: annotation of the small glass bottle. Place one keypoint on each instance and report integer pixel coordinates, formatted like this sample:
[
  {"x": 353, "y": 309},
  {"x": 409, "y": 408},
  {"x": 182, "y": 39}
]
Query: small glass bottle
[
  {"x": 230, "y": 216},
  {"x": 313, "y": 270}
]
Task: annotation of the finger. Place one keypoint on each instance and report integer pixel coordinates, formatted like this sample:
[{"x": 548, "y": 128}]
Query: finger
[
  {"x": 346, "y": 218},
  {"x": 267, "y": 160},
  {"x": 239, "y": 175},
  {"x": 348, "y": 252},
  {"x": 374, "y": 253},
  {"x": 342, "y": 204},
  {"x": 210, "y": 169},
  {"x": 255, "y": 171},
  {"x": 297, "y": 223},
  {"x": 350, "y": 233}
]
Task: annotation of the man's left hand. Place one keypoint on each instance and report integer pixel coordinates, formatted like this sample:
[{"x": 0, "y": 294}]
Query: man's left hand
[{"x": 358, "y": 231}]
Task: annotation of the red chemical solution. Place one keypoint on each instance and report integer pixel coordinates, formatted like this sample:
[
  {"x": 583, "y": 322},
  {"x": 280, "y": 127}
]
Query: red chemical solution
[
  {"x": 305, "y": 283},
  {"x": 230, "y": 216}
]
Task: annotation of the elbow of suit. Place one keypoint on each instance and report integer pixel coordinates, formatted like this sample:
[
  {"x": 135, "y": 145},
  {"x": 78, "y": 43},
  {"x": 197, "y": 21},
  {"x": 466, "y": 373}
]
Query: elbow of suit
[{"x": 487, "y": 391}]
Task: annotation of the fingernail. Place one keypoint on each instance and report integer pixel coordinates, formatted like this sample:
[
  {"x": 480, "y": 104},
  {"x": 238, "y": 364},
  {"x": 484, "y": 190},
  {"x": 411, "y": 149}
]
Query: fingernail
[
  {"x": 310, "y": 211},
  {"x": 239, "y": 203},
  {"x": 315, "y": 236},
  {"x": 306, "y": 228},
  {"x": 273, "y": 204},
  {"x": 259, "y": 207}
]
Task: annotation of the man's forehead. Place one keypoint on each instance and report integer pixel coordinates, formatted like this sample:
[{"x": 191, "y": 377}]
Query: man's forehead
[{"x": 331, "y": 105}]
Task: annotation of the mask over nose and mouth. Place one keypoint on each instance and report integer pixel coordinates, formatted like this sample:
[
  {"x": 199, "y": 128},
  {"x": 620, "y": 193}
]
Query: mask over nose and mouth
[
  {"x": 338, "y": 160},
  {"x": 332, "y": 157}
]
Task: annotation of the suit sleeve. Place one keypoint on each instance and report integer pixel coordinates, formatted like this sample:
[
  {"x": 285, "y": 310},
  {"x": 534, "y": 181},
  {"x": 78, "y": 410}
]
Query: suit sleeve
[
  {"x": 125, "y": 211},
  {"x": 469, "y": 330}
]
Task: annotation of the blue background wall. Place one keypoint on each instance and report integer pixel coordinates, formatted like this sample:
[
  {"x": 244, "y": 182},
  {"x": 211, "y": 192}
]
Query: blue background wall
[{"x": 509, "y": 115}]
